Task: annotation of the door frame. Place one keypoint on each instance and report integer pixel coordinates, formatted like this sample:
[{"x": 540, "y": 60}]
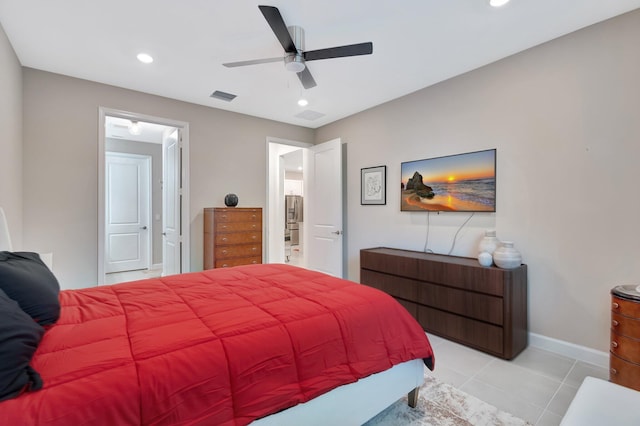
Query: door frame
[
  {"x": 275, "y": 217},
  {"x": 183, "y": 126}
]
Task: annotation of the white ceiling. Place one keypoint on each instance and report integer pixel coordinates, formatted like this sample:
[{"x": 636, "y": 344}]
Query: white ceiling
[{"x": 416, "y": 43}]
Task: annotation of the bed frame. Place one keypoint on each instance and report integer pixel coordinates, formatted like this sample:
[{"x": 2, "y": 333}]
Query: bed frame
[{"x": 355, "y": 403}]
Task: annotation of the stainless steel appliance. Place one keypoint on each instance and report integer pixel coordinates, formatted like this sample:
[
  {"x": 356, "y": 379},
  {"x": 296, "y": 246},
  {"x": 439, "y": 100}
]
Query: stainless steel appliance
[{"x": 293, "y": 217}]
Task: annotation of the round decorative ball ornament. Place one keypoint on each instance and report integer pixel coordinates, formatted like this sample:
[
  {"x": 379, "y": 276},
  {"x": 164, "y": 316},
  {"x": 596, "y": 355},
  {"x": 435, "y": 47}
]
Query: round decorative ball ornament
[
  {"x": 506, "y": 256},
  {"x": 231, "y": 200},
  {"x": 485, "y": 259}
]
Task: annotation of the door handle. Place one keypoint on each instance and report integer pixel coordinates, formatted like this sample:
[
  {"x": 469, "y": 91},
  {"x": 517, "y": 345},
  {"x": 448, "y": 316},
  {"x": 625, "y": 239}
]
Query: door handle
[
  {"x": 337, "y": 232},
  {"x": 143, "y": 228},
  {"x": 164, "y": 233}
]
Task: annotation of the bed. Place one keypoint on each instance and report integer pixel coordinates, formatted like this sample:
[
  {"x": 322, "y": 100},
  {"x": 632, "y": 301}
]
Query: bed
[{"x": 268, "y": 344}]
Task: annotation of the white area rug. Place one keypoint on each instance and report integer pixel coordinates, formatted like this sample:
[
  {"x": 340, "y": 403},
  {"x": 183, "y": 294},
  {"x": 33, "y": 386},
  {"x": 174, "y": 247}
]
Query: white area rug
[{"x": 440, "y": 404}]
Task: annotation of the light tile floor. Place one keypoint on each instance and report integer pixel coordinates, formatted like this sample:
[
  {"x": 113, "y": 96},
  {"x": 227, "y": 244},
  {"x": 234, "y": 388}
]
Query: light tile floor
[
  {"x": 537, "y": 385},
  {"x": 121, "y": 277}
]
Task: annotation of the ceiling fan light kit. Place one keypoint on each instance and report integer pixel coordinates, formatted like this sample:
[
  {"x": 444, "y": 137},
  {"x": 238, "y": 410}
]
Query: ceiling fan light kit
[
  {"x": 294, "y": 63},
  {"x": 295, "y": 57}
]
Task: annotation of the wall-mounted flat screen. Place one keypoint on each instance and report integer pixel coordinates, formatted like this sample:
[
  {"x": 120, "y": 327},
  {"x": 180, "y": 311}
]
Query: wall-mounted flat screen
[{"x": 461, "y": 183}]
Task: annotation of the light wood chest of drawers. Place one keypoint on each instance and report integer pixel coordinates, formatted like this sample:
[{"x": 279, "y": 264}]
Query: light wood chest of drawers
[
  {"x": 624, "y": 358},
  {"x": 232, "y": 237}
]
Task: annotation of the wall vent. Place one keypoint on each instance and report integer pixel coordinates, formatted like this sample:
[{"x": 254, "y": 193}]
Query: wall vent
[
  {"x": 310, "y": 115},
  {"x": 223, "y": 96}
]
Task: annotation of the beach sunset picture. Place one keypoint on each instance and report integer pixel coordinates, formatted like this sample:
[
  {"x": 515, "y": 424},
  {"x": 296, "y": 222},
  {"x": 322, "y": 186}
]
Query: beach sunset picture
[{"x": 463, "y": 182}]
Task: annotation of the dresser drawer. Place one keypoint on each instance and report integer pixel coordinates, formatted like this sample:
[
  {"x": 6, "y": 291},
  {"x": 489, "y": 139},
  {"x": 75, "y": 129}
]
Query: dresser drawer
[
  {"x": 389, "y": 264},
  {"x": 237, "y": 226},
  {"x": 395, "y": 286},
  {"x": 474, "y": 305},
  {"x": 625, "y": 326},
  {"x": 624, "y": 373},
  {"x": 470, "y": 332},
  {"x": 238, "y": 216},
  {"x": 239, "y": 238},
  {"x": 228, "y": 263},
  {"x": 625, "y": 347},
  {"x": 625, "y": 307},
  {"x": 227, "y": 252}
]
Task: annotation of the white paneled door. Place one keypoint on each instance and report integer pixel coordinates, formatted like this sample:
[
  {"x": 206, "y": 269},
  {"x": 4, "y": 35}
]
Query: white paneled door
[
  {"x": 171, "y": 185},
  {"x": 127, "y": 215},
  {"x": 323, "y": 207}
]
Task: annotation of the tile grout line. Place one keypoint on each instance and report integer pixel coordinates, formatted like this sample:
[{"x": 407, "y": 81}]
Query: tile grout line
[{"x": 546, "y": 408}]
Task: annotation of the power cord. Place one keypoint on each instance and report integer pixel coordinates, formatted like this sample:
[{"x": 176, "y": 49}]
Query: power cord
[
  {"x": 453, "y": 244},
  {"x": 426, "y": 242}
]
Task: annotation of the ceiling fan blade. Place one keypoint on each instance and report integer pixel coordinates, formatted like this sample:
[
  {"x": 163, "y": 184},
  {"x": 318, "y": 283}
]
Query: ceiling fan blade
[
  {"x": 339, "y": 52},
  {"x": 306, "y": 78},
  {"x": 279, "y": 28},
  {"x": 252, "y": 62}
]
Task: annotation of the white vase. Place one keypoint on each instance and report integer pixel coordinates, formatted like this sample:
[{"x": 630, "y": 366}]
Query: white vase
[
  {"x": 506, "y": 256},
  {"x": 489, "y": 243},
  {"x": 485, "y": 259}
]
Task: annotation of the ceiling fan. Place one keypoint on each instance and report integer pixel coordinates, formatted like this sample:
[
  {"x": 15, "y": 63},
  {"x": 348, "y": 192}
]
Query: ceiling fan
[{"x": 292, "y": 40}]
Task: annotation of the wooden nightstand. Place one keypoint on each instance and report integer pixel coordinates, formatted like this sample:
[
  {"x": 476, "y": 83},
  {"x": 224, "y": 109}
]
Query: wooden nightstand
[{"x": 624, "y": 358}]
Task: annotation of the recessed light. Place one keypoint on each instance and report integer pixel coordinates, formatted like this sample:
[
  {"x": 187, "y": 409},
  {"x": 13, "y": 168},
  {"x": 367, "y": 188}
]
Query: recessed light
[
  {"x": 145, "y": 58},
  {"x": 303, "y": 102},
  {"x": 498, "y": 3}
]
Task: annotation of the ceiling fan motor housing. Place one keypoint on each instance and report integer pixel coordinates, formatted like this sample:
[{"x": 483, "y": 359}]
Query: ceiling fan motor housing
[{"x": 294, "y": 62}]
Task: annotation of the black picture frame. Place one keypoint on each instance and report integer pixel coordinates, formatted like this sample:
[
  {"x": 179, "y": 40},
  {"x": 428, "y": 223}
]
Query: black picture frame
[{"x": 373, "y": 185}]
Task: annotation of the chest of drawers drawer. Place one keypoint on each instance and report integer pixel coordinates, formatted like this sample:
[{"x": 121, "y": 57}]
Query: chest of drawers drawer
[{"x": 238, "y": 250}]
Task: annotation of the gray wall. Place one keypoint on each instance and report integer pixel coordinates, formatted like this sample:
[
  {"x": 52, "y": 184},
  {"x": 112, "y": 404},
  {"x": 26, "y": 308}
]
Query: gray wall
[
  {"x": 564, "y": 118},
  {"x": 154, "y": 150},
  {"x": 11, "y": 140},
  {"x": 227, "y": 154}
]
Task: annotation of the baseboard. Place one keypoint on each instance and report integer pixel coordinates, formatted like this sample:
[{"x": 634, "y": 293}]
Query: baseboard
[
  {"x": 156, "y": 266},
  {"x": 571, "y": 350}
]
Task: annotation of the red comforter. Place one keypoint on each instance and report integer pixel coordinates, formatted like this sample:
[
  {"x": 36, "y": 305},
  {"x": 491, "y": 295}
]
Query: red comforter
[{"x": 219, "y": 347}]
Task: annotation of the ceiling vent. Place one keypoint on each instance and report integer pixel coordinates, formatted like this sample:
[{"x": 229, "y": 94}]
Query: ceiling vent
[
  {"x": 310, "y": 115},
  {"x": 223, "y": 96}
]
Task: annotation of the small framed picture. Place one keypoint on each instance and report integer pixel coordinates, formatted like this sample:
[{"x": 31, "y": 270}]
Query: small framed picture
[{"x": 373, "y": 185}]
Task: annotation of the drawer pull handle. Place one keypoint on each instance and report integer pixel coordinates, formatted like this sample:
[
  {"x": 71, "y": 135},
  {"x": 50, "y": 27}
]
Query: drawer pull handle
[
  {"x": 225, "y": 265},
  {"x": 224, "y": 252},
  {"x": 254, "y": 262},
  {"x": 614, "y": 344},
  {"x": 254, "y": 249},
  {"x": 253, "y": 237},
  {"x": 224, "y": 239},
  {"x": 254, "y": 226},
  {"x": 615, "y": 305},
  {"x": 224, "y": 216},
  {"x": 224, "y": 226},
  {"x": 614, "y": 323},
  {"x": 253, "y": 216},
  {"x": 614, "y": 371}
]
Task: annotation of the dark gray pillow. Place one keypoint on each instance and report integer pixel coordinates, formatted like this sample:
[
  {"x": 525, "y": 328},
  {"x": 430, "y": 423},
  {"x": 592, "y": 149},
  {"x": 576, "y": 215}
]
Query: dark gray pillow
[
  {"x": 19, "y": 339},
  {"x": 28, "y": 281}
]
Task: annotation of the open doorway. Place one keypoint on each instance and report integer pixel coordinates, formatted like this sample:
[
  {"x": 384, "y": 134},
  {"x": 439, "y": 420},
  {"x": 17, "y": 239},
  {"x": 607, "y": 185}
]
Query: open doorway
[
  {"x": 143, "y": 197},
  {"x": 294, "y": 208},
  {"x": 322, "y": 218},
  {"x": 279, "y": 153}
]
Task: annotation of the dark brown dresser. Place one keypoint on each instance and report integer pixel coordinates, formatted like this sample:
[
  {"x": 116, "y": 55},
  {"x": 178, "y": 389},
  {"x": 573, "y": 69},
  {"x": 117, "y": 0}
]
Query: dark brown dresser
[
  {"x": 455, "y": 297},
  {"x": 624, "y": 356},
  {"x": 232, "y": 236}
]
